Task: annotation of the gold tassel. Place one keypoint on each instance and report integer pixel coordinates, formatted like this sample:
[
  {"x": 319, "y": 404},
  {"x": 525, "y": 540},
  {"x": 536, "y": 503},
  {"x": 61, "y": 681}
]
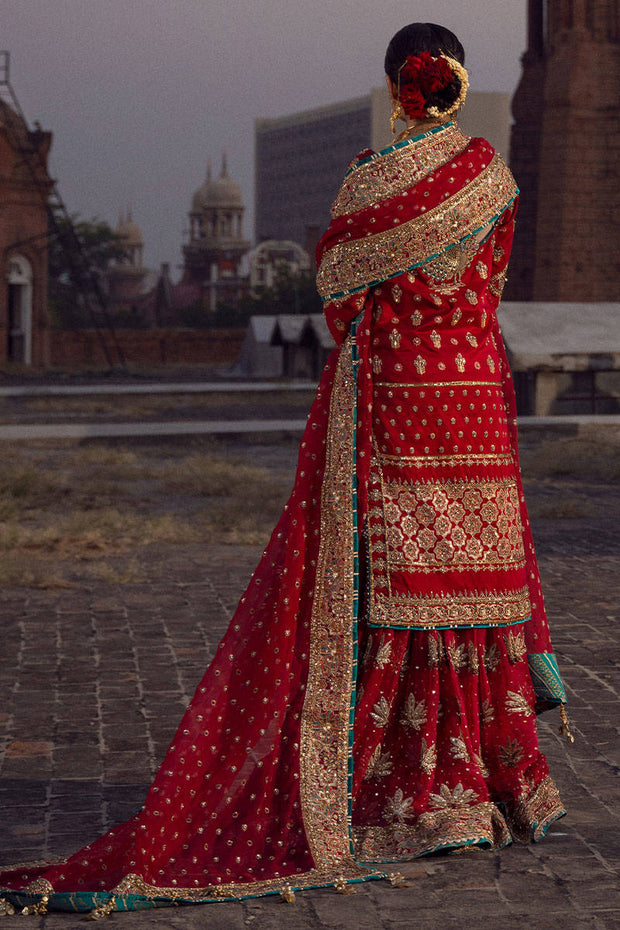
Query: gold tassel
[
  {"x": 6, "y": 908},
  {"x": 398, "y": 880},
  {"x": 342, "y": 887},
  {"x": 564, "y": 729},
  {"x": 99, "y": 913},
  {"x": 287, "y": 894}
]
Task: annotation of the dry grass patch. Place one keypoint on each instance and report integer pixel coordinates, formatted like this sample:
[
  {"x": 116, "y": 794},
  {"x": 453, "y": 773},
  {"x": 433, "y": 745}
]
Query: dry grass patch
[{"x": 66, "y": 513}]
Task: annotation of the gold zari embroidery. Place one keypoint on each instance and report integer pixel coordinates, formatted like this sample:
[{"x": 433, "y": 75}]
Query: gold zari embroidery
[
  {"x": 395, "y": 171},
  {"x": 451, "y": 610},
  {"x": 352, "y": 265}
]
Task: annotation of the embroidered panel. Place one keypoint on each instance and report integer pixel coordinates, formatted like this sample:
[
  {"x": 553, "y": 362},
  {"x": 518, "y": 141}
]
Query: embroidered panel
[
  {"x": 451, "y": 609},
  {"x": 395, "y": 170},
  {"x": 325, "y": 726},
  {"x": 449, "y": 525},
  {"x": 448, "y": 826},
  {"x": 546, "y": 678},
  {"x": 359, "y": 263}
]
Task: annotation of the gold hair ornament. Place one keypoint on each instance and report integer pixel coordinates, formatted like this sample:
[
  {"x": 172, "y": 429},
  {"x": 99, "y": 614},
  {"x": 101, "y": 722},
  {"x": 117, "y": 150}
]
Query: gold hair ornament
[{"x": 461, "y": 73}]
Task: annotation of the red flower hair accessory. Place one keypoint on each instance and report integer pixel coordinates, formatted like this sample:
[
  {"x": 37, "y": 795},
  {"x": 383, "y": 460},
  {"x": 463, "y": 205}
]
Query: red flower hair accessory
[{"x": 423, "y": 75}]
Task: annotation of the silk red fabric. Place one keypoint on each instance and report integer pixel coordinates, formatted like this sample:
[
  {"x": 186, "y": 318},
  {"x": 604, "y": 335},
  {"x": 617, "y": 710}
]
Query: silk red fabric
[{"x": 319, "y": 742}]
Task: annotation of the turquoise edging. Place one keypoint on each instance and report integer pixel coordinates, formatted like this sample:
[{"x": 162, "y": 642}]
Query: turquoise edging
[
  {"x": 473, "y": 626},
  {"x": 546, "y": 678},
  {"x": 83, "y": 902},
  {"x": 355, "y": 361}
]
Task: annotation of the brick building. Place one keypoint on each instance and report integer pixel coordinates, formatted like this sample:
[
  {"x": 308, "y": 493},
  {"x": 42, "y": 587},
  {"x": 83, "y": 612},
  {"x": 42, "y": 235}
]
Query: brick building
[
  {"x": 565, "y": 154},
  {"x": 24, "y": 187}
]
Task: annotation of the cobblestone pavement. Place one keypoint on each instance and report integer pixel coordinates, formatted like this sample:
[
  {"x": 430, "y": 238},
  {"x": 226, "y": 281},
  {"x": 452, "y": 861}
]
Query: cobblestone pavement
[{"x": 93, "y": 682}]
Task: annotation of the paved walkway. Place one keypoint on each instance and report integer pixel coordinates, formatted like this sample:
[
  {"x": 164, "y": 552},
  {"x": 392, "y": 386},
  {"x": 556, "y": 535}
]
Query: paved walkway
[
  {"x": 188, "y": 427},
  {"x": 93, "y": 682},
  {"x": 153, "y": 387}
]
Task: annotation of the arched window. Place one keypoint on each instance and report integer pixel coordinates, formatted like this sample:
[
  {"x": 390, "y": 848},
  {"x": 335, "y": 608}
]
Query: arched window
[{"x": 19, "y": 310}]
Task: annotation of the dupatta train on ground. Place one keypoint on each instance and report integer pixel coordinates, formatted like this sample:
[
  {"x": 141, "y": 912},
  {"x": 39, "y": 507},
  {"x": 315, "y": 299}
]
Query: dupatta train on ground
[{"x": 374, "y": 697}]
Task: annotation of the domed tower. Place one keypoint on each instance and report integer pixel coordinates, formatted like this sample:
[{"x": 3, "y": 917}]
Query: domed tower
[
  {"x": 125, "y": 275},
  {"x": 212, "y": 257}
]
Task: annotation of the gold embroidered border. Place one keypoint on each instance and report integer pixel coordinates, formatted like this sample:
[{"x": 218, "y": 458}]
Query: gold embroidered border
[
  {"x": 325, "y": 717},
  {"x": 432, "y": 384},
  {"x": 451, "y": 610},
  {"x": 390, "y": 173},
  {"x": 461, "y": 826},
  {"x": 530, "y": 817},
  {"x": 437, "y": 525},
  {"x": 469, "y": 458},
  {"x": 358, "y": 263},
  {"x": 133, "y": 884}
]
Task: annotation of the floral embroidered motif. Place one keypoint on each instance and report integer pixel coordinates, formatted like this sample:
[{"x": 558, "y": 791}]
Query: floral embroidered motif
[
  {"x": 447, "y": 799},
  {"x": 428, "y": 758},
  {"x": 456, "y": 656},
  {"x": 416, "y": 318},
  {"x": 395, "y": 339},
  {"x": 510, "y": 754},
  {"x": 414, "y": 715},
  {"x": 435, "y": 339},
  {"x": 460, "y": 363},
  {"x": 488, "y": 714},
  {"x": 491, "y": 658},
  {"x": 517, "y": 703},
  {"x": 381, "y": 713},
  {"x": 379, "y": 766},
  {"x": 420, "y": 364},
  {"x": 491, "y": 364},
  {"x": 515, "y": 646},
  {"x": 383, "y": 655},
  {"x": 482, "y": 270},
  {"x": 458, "y": 749},
  {"x": 399, "y": 807},
  {"x": 397, "y": 293},
  {"x": 471, "y": 297}
]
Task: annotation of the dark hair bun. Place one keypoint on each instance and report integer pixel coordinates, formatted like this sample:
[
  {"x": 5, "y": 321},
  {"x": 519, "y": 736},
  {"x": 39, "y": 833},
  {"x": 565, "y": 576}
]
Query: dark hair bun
[{"x": 426, "y": 37}]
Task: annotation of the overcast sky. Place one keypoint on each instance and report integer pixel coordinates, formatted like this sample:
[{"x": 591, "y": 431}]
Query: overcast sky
[{"x": 141, "y": 93}]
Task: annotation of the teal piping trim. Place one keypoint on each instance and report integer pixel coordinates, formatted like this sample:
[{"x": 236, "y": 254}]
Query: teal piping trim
[
  {"x": 546, "y": 678},
  {"x": 471, "y": 626},
  {"x": 355, "y": 361},
  {"x": 82, "y": 902},
  {"x": 429, "y": 258}
]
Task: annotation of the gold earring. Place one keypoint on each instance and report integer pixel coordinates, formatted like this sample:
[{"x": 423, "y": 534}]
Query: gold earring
[{"x": 397, "y": 113}]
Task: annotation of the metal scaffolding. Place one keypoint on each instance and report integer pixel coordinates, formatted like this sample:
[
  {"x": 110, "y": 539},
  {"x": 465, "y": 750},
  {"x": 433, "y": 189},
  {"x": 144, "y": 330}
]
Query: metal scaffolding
[{"x": 89, "y": 292}]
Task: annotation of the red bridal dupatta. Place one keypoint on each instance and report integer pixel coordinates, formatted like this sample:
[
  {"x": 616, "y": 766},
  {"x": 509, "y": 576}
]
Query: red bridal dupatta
[{"x": 374, "y": 697}]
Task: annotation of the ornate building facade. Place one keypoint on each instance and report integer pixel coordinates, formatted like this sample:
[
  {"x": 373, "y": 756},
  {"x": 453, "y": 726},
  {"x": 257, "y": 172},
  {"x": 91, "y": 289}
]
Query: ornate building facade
[
  {"x": 565, "y": 154},
  {"x": 24, "y": 189},
  {"x": 212, "y": 257}
]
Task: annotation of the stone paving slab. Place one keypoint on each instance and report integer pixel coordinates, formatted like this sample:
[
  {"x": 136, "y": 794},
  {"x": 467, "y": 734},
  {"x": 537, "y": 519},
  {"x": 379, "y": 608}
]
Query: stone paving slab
[{"x": 94, "y": 680}]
